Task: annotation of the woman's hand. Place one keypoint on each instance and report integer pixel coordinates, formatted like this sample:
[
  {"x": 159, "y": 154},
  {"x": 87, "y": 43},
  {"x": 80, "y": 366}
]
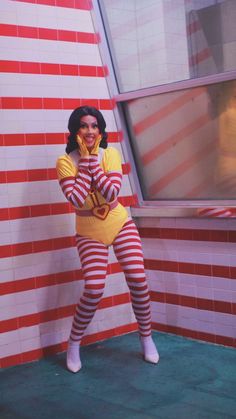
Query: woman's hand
[
  {"x": 95, "y": 148},
  {"x": 82, "y": 147}
]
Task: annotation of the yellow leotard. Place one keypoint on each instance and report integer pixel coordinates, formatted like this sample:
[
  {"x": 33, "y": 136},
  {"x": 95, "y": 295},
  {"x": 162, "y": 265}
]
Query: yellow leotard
[{"x": 106, "y": 230}]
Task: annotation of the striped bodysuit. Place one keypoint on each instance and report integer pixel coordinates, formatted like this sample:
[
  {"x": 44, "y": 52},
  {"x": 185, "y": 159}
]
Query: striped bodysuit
[{"x": 92, "y": 186}]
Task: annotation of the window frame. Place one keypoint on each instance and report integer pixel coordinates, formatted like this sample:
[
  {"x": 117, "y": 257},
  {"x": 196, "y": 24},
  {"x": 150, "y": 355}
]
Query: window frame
[{"x": 153, "y": 208}]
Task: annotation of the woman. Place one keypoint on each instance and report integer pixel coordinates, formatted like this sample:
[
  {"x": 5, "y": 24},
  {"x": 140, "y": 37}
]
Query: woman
[{"x": 90, "y": 177}]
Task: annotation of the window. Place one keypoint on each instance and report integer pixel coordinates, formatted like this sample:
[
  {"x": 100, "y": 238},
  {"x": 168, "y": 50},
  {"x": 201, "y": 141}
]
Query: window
[{"x": 174, "y": 63}]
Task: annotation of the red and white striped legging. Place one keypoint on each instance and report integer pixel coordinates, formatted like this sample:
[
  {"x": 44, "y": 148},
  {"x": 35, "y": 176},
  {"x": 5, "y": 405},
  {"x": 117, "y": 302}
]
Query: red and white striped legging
[{"x": 94, "y": 260}]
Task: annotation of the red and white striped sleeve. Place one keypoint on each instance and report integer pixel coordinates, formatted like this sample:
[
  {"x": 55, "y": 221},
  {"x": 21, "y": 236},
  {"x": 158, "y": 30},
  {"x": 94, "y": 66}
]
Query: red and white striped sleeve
[
  {"x": 109, "y": 183},
  {"x": 75, "y": 186}
]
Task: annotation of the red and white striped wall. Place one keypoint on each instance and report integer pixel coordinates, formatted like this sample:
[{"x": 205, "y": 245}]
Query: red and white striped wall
[
  {"x": 50, "y": 64},
  {"x": 191, "y": 270}
]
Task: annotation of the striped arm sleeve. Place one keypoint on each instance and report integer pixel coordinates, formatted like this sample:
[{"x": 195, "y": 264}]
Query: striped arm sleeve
[
  {"x": 76, "y": 188},
  {"x": 108, "y": 184}
]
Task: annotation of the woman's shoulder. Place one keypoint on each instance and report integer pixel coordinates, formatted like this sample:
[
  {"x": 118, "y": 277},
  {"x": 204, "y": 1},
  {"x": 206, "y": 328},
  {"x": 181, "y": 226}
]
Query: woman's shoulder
[
  {"x": 111, "y": 151},
  {"x": 112, "y": 159},
  {"x": 66, "y": 166}
]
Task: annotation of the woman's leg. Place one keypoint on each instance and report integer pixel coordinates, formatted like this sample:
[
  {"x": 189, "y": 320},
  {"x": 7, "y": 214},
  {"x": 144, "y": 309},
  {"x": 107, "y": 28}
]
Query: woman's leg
[
  {"x": 94, "y": 258},
  {"x": 128, "y": 250}
]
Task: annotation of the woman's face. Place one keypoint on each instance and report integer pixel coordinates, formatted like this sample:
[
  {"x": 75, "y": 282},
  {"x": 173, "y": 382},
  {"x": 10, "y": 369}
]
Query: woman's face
[{"x": 88, "y": 130}]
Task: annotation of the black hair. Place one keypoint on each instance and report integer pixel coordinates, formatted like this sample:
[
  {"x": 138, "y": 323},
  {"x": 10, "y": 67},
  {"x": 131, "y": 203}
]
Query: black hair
[{"x": 74, "y": 125}]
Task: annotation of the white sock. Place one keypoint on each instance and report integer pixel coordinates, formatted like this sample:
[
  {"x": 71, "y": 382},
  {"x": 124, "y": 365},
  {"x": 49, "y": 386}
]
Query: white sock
[
  {"x": 73, "y": 361},
  {"x": 149, "y": 349}
]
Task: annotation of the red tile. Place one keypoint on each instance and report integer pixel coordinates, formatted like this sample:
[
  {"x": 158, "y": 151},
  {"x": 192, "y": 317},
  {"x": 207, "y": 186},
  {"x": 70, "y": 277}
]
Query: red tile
[
  {"x": 52, "y": 103},
  {"x": 148, "y": 232},
  {"x": 42, "y": 245},
  {"x": 203, "y": 269},
  {"x": 35, "y": 139},
  {"x": 225, "y": 340},
  {"x": 49, "y": 68},
  {"x": 3, "y": 177},
  {"x": 102, "y": 71},
  {"x": 11, "y": 102},
  {"x": 32, "y": 103},
  {"x": 25, "y": 284},
  {"x": 186, "y": 267},
  {"x": 232, "y": 272},
  {"x": 14, "y": 139},
  {"x": 29, "y": 320},
  {"x": 67, "y": 36},
  {"x": 69, "y": 69},
  {"x": 184, "y": 234},
  {"x": 168, "y": 233},
  {"x": 65, "y": 3},
  {"x": 71, "y": 103},
  {"x": 17, "y": 176},
  {"x": 201, "y": 235},
  {"x": 32, "y": 68},
  {"x": 223, "y": 307},
  {"x": 172, "y": 298},
  {"x": 6, "y": 251},
  {"x": 232, "y": 236},
  {"x": 4, "y": 214},
  {"x": 219, "y": 236},
  {"x": 9, "y": 66},
  {"x": 32, "y": 355},
  {"x": 221, "y": 271},
  {"x": 19, "y": 249},
  {"x": 87, "y": 38},
  {"x": 8, "y": 325},
  {"x": 28, "y": 32},
  {"x": 188, "y": 301},
  {"x": 205, "y": 304},
  {"x": 7, "y": 287},
  {"x": 46, "y": 2},
  {"x": 19, "y": 212},
  {"x": 206, "y": 337},
  {"x": 90, "y": 102},
  {"x": 55, "y": 138},
  {"x": 8, "y": 30},
  {"x": 83, "y": 4},
  {"x": 10, "y": 361},
  {"x": 87, "y": 70},
  {"x": 45, "y": 33}
]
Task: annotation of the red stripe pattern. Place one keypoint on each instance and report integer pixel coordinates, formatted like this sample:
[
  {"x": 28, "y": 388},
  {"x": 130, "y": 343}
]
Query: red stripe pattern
[
  {"x": 48, "y": 34},
  {"x": 53, "y": 103},
  {"x": 107, "y": 184},
  {"x": 76, "y": 189},
  {"x": 25, "y": 67},
  {"x": 94, "y": 260},
  {"x": 32, "y": 121},
  {"x": 44, "y": 138},
  {"x": 72, "y": 4}
]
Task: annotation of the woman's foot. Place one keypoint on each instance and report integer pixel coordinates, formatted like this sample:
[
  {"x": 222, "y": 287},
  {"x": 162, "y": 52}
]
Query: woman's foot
[
  {"x": 73, "y": 361},
  {"x": 149, "y": 349}
]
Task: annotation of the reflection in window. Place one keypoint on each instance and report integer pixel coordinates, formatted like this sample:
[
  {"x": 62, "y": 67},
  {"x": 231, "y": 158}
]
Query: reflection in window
[
  {"x": 184, "y": 143},
  {"x": 161, "y": 41}
]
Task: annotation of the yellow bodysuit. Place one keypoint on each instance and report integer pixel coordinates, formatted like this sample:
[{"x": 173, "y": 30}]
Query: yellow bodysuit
[{"x": 90, "y": 226}]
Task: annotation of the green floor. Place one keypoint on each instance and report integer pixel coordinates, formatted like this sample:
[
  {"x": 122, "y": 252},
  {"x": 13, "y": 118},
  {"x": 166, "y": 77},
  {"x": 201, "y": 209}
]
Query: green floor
[{"x": 192, "y": 380}]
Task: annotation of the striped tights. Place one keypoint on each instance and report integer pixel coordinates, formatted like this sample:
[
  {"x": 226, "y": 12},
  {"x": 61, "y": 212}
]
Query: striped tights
[{"x": 94, "y": 261}]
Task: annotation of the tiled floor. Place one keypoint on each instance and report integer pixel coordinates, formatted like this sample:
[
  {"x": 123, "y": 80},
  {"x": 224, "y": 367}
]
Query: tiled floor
[{"x": 192, "y": 380}]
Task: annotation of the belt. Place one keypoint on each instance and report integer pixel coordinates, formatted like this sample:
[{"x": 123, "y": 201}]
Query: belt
[{"x": 100, "y": 211}]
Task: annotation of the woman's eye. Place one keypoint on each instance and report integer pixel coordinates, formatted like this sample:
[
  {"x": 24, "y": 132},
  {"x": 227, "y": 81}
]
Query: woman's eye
[
  {"x": 83, "y": 126},
  {"x": 95, "y": 126}
]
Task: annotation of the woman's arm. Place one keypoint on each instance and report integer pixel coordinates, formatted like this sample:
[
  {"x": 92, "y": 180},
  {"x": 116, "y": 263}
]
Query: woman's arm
[
  {"x": 75, "y": 188},
  {"x": 109, "y": 183}
]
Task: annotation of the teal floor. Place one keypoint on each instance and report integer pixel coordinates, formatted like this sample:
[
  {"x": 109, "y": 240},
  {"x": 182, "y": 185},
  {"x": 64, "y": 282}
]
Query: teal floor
[{"x": 192, "y": 380}]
